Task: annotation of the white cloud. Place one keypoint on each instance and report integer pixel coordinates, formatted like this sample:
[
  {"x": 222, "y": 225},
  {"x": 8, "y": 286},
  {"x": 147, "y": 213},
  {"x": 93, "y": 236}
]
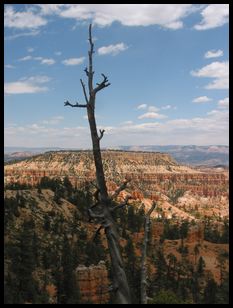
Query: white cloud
[
  {"x": 165, "y": 15},
  {"x": 49, "y": 9},
  {"x": 14, "y": 36},
  {"x": 22, "y": 20},
  {"x": 22, "y": 87},
  {"x": 152, "y": 115},
  {"x": 214, "y": 15},
  {"x": 30, "y": 49},
  {"x": 206, "y": 130},
  {"x": 217, "y": 70},
  {"x": 26, "y": 85},
  {"x": 48, "y": 61},
  {"x": 58, "y": 53},
  {"x": 153, "y": 109},
  {"x": 112, "y": 49},
  {"x": 9, "y": 66},
  {"x": 223, "y": 103},
  {"x": 73, "y": 61},
  {"x": 142, "y": 106},
  {"x": 202, "y": 99},
  {"x": 166, "y": 107},
  {"x": 37, "y": 79},
  {"x": 213, "y": 53},
  {"x": 26, "y": 58},
  {"x": 53, "y": 120},
  {"x": 127, "y": 123},
  {"x": 38, "y": 58}
]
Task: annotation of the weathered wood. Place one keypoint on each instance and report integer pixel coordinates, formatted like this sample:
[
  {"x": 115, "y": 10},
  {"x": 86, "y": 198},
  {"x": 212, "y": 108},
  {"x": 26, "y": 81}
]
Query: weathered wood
[
  {"x": 120, "y": 283},
  {"x": 144, "y": 255}
]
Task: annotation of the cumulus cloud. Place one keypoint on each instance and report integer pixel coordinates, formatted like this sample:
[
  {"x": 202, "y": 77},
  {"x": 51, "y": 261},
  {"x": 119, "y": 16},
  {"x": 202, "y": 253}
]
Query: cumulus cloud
[
  {"x": 209, "y": 129},
  {"x": 48, "y": 61},
  {"x": 202, "y": 99},
  {"x": 53, "y": 120},
  {"x": 49, "y": 9},
  {"x": 142, "y": 106},
  {"x": 26, "y": 58},
  {"x": 166, "y": 107},
  {"x": 168, "y": 16},
  {"x": 127, "y": 123},
  {"x": 165, "y": 15},
  {"x": 26, "y": 85},
  {"x": 22, "y": 20},
  {"x": 152, "y": 115},
  {"x": 21, "y": 34},
  {"x": 153, "y": 109},
  {"x": 223, "y": 103},
  {"x": 58, "y": 53},
  {"x": 214, "y": 15},
  {"x": 217, "y": 70},
  {"x": 73, "y": 61},
  {"x": 213, "y": 53},
  {"x": 9, "y": 66},
  {"x": 30, "y": 49},
  {"x": 112, "y": 49}
]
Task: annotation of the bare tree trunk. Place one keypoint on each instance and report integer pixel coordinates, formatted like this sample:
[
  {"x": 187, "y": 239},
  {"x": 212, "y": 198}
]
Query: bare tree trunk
[
  {"x": 104, "y": 216},
  {"x": 144, "y": 255}
]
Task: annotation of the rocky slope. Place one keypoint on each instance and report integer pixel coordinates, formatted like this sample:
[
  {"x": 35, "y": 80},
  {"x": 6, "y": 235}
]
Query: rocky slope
[{"x": 199, "y": 196}]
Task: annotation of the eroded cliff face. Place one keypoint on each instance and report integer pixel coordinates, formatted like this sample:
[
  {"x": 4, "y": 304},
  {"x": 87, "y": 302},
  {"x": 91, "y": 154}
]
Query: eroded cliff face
[
  {"x": 149, "y": 172},
  {"x": 93, "y": 283}
]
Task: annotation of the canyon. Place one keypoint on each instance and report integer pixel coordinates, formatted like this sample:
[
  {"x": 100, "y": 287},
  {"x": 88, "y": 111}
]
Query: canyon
[{"x": 182, "y": 193}]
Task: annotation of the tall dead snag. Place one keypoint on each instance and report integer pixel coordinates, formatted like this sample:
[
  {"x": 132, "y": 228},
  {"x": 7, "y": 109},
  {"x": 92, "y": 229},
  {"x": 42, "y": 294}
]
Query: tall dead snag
[
  {"x": 101, "y": 211},
  {"x": 144, "y": 255}
]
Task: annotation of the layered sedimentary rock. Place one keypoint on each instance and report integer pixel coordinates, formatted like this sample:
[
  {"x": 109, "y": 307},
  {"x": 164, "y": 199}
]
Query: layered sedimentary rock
[
  {"x": 195, "y": 234},
  {"x": 93, "y": 283},
  {"x": 149, "y": 172}
]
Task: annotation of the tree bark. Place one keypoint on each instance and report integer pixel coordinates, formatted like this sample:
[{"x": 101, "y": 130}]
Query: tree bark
[
  {"x": 144, "y": 255},
  {"x": 120, "y": 283}
]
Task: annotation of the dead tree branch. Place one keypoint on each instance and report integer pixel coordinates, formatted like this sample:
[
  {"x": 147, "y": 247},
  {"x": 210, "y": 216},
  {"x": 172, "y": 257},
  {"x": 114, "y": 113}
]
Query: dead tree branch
[
  {"x": 97, "y": 232},
  {"x": 101, "y": 133},
  {"x": 84, "y": 91},
  {"x": 76, "y": 105},
  {"x": 102, "y": 85},
  {"x": 90, "y": 71},
  {"x": 103, "y": 214},
  {"x": 144, "y": 255},
  {"x": 119, "y": 206},
  {"x": 96, "y": 194},
  {"x": 119, "y": 189},
  {"x": 94, "y": 215}
]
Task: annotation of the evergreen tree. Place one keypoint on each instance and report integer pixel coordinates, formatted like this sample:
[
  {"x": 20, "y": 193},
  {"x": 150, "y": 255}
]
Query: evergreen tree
[
  {"x": 132, "y": 272},
  {"x": 68, "y": 186},
  {"x": 210, "y": 292},
  {"x": 23, "y": 262},
  {"x": 69, "y": 292},
  {"x": 200, "y": 266},
  {"x": 95, "y": 251}
]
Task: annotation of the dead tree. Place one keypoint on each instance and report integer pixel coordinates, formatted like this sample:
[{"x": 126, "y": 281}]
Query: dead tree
[
  {"x": 144, "y": 255},
  {"x": 101, "y": 211}
]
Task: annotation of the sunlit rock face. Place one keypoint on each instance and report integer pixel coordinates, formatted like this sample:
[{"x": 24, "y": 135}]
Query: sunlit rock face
[{"x": 93, "y": 283}]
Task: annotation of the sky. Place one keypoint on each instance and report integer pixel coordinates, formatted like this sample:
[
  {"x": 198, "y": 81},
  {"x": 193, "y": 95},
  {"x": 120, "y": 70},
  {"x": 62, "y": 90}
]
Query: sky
[{"x": 167, "y": 64}]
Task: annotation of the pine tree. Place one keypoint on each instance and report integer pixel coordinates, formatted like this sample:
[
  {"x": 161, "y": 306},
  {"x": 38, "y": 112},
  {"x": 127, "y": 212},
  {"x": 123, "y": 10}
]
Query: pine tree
[
  {"x": 132, "y": 272},
  {"x": 200, "y": 266},
  {"x": 69, "y": 285},
  {"x": 210, "y": 292}
]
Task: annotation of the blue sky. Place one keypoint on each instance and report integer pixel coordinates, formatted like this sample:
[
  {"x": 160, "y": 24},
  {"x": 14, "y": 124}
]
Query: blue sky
[{"x": 167, "y": 64}]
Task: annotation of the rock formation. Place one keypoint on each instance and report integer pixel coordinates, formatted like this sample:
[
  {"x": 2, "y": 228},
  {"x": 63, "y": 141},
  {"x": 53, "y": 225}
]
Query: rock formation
[{"x": 93, "y": 283}]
